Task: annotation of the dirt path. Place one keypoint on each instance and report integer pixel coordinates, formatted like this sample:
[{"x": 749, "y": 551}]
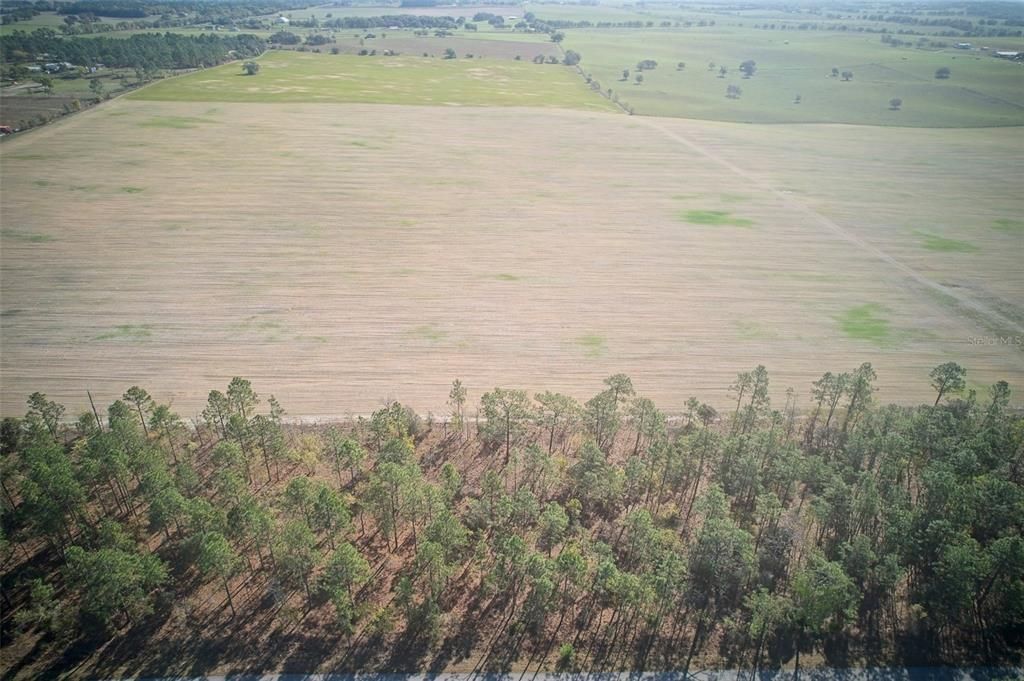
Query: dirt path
[{"x": 997, "y": 320}]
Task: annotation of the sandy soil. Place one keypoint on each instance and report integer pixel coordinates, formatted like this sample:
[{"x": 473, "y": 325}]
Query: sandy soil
[{"x": 337, "y": 255}]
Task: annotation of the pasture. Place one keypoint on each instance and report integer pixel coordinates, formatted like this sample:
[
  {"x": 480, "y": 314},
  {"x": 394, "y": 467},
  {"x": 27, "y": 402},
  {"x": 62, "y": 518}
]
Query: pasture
[
  {"x": 339, "y": 254},
  {"x": 288, "y": 76},
  {"x": 982, "y": 91}
]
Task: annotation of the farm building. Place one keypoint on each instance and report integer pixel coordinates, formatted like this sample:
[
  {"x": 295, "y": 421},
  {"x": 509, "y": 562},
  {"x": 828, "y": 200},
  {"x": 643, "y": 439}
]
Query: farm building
[
  {"x": 283, "y": 20},
  {"x": 1008, "y": 55}
]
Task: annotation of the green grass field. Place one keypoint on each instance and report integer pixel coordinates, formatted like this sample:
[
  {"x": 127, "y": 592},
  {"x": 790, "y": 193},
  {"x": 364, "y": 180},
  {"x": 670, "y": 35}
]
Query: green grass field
[
  {"x": 982, "y": 91},
  {"x": 307, "y": 77}
]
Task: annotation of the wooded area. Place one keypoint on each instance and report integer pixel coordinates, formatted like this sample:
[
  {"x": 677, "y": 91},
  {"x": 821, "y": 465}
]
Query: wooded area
[{"x": 534, "y": 533}]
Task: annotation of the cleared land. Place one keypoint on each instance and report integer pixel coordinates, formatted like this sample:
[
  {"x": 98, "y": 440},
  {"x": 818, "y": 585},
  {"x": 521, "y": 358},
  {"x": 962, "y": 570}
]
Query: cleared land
[
  {"x": 288, "y": 76},
  {"x": 346, "y": 253}
]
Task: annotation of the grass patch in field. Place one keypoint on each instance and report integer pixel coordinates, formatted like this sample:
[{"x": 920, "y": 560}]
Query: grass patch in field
[
  {"x": 734, "y": 198},
  {"x": 1008, "y": 225},
  {"x": 126, "y": 332},
  {"x": 30, "y": 237},
  {"x": 28, "y": 157},
  {"x": 132, "y": 190},
  {"x": 428, "y": 332},
  {"x": 754, "y": 331},
  {"x": 934, "y": 242},
  {"x": 174, "y": 122},
  {"x": 507, "y": 277},
  {"x": 593, "y": 345},
  {"x": 865, "y": 322},
  {"x": 715, "y": 217},
  {"x": 83, "y": 188}
]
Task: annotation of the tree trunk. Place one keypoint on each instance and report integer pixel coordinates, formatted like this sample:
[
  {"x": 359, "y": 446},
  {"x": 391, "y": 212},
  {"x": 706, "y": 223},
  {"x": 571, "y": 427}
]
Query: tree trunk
[
  {"x": 141, "y": 418},
  {"x": 99, "y": 424},
  {"x": 508, "y": 437},
  {"x": 231, "y": 604}
]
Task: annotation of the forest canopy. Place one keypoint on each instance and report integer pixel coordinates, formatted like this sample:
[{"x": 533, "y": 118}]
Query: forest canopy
[{"x": 595, "y": 535}]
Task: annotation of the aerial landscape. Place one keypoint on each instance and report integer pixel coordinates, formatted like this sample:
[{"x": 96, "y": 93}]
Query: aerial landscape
[{"x": 514, "y": 338}]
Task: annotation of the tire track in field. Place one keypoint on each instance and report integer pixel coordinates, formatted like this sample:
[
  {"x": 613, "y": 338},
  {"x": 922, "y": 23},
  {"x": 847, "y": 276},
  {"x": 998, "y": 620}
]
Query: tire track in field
[{"x": 996, "y": 319}]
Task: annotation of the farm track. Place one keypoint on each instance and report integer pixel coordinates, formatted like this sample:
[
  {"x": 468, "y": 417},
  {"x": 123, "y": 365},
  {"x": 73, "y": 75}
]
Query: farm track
[{"x": 998, "y": 322}]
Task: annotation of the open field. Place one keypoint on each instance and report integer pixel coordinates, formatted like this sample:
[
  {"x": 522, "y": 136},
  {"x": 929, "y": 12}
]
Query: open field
[
  {"x": 338, "y": 254},
  {"x": 982, "y": 91},
  {"x": 288, "y": 76}
]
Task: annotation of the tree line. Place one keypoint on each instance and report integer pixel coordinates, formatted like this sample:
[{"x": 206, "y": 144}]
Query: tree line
[
  {"x": 595, "y": 535},
  {"x": 149, "y": 50}
]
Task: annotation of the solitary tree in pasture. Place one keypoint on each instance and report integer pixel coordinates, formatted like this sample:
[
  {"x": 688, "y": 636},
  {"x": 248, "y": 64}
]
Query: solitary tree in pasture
[
  {"x": 251, "y": 68},
  {"x": 947, "y": 379},
  {"x": 572, "y": 58},
  {"x": 722, "y": 70},
  {"x": 681, "y": 66},
  {"x": 895, "y": 103},
  {"x": 835, "y": 71},
  {"x": 847, "y": 75},
  {"x": 625, "y": 74},
  {"x": 943, "y": 73},
  {"x": 639, "y": 78},
  {"x": 749, "y": 67}
]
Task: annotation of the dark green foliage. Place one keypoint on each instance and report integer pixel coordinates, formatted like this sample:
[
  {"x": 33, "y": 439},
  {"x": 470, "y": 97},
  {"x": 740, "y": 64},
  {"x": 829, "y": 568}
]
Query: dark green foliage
[
  {"x": 147, "y": 50},
  {"x": 771, "y": 533},
  {"x": 114, "y": 582}
]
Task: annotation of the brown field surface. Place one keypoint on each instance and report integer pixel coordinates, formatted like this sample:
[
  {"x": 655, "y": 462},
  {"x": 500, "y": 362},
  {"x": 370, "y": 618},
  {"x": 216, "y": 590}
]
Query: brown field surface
[{"x": 340, "y": 254}]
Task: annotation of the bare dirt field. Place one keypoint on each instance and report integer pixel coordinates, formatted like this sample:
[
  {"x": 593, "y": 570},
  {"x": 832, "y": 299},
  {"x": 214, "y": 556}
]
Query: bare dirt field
[{"x": 348, "y": 253}]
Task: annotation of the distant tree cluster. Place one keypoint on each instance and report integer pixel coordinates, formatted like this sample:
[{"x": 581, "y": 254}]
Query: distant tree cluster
[
  {"x": 593, "y": 535},
  {"x": 151, "y": 50}
]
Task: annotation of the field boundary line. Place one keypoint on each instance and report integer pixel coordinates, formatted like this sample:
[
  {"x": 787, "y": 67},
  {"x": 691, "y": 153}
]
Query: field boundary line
[
  {"x": 992, "y": 316},
  {"x": 106, "y": 104}
]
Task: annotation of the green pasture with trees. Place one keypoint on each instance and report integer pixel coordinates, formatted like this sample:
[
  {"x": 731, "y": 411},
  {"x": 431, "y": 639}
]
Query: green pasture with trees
[{"x": 289, "y": 76}]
